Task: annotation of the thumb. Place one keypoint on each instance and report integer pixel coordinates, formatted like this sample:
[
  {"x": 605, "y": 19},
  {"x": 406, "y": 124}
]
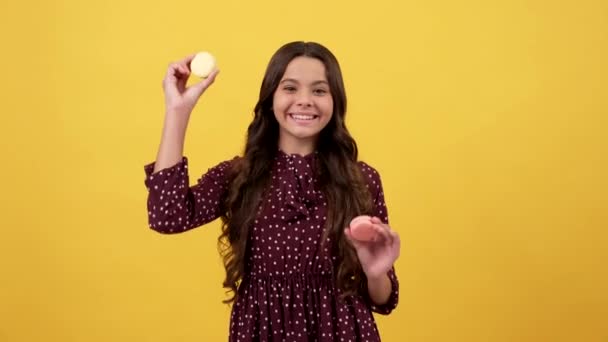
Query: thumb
[
  {"x": 376, "y": 219},
  {"x": 199, "y": 88}
]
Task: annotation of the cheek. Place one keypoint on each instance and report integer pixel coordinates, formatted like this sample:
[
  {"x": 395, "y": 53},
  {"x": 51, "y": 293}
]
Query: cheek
[
  {"x": 328, "y": 106},
  {"x": 278, "y": 104},
  {"x": 278, "y": 114}
]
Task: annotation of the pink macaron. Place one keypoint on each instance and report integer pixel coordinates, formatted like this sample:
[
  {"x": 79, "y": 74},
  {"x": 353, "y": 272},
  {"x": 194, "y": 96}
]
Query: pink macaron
[{"x": 361, "y": 228}]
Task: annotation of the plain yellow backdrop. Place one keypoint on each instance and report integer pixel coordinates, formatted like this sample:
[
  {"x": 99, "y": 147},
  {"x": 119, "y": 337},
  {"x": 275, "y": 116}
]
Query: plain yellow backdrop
[{"x": 486, "y": 119}]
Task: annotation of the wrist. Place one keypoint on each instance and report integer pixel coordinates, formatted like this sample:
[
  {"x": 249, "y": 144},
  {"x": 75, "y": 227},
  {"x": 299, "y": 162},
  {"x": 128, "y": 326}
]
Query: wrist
[
  {"x": 177, "y": 114},
  {"x": 176, "y": 122},
  {"x": 377, "y": 278}
]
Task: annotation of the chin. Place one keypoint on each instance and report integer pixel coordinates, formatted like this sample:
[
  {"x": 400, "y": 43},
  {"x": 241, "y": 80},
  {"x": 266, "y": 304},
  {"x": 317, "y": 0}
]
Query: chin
[{"x": 301, "y": 134}]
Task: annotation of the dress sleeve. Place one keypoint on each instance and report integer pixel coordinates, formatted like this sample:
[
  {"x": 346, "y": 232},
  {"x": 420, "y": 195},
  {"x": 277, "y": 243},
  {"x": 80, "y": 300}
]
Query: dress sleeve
[
  {"x": 174, "y": 206},
  {"x": 374, "y": 184}
]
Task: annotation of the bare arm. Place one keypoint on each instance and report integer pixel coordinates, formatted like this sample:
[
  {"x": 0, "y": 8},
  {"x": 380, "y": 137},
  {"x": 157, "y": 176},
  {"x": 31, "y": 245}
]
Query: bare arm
[
  {"x": 179, "y": 103},
  {"x": 171, "y": 147}
]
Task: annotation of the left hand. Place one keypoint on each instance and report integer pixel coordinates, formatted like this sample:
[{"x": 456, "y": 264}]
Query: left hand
[{"x": 377, "y": 256}]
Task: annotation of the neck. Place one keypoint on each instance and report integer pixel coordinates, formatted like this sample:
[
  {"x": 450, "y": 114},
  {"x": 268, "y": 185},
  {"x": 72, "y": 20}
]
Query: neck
[{"x": 301, "y": 147}]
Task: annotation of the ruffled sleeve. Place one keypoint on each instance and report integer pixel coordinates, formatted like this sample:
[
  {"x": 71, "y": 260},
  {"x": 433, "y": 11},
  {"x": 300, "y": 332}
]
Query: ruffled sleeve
[
  {"x": 374, "y": 184},
  {"x": 174, "y": 206}
]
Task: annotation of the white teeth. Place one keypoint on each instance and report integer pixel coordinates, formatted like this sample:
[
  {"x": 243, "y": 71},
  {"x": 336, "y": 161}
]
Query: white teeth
[{"x": 302, "y": 117}]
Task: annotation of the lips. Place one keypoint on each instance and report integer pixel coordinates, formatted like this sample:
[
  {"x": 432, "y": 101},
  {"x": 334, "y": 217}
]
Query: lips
[{"x": 302, "y": 116}]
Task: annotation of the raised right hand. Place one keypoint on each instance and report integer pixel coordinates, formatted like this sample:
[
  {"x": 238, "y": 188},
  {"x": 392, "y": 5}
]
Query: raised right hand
[{"x": 180, "y": 100}]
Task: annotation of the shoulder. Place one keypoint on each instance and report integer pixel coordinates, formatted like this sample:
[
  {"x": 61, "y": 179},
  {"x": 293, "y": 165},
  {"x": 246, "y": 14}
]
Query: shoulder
[
  {"x": 226, "y": 165},
  {"x": 368, "y": 171},
  {"x": 221, "y": 170},
  {"x": 371, "y": 176}
]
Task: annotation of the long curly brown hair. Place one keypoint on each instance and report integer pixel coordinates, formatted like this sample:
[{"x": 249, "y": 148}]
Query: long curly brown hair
[{"x": 338, "y": 173}]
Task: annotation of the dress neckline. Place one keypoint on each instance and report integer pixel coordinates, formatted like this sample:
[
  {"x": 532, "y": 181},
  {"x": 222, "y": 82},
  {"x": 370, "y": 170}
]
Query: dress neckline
[{"x": 308, "y": 156}]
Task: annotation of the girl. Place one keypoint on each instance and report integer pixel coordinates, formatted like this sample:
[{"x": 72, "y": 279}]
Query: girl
[{"x": 292, "y": 266}]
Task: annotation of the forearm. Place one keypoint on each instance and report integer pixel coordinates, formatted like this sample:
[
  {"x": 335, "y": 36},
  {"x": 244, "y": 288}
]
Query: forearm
[
  {"x": 171, "y": 149},
  {"x": 379, "y": 289}
]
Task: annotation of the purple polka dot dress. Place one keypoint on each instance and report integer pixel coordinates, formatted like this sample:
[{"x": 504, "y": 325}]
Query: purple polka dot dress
[{"x": 287, "y": 293}]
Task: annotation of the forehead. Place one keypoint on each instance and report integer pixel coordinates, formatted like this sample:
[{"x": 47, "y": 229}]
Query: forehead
[{"x": 305, "y": 69}]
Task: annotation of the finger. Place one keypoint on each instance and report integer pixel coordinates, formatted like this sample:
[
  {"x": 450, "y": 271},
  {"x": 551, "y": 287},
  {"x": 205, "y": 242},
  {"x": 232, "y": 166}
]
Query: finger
[
  {"x": 171, "y": 72},
  {"x": 175, "y": 77},
  {"x": 185, "y": 64},
  {"x": 396, "y": 242},
  {"x": 211, "y": 78},
  {"x": 175, "y": 69},
  {"x": 201, "y": 86},
  {"x": 184, "y": 69},
  {"x": 382, "y": 233},
  {"x": 187, "y": 60},
  {"x": 384, "y": 227},
  {"x": 172, "y": 79},
  {"x": 390, "y": 238},
  {"x": 182, "y": 78},
  {"x": 377, "y": 220}
]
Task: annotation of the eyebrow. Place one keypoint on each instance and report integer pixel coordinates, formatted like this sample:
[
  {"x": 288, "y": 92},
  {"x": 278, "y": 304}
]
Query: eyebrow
[{"x": 296, "y": 81}]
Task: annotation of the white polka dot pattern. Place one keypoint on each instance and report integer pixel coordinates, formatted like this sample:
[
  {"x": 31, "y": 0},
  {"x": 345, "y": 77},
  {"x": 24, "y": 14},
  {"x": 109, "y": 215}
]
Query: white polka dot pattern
[{"x": 288, "y": 293}]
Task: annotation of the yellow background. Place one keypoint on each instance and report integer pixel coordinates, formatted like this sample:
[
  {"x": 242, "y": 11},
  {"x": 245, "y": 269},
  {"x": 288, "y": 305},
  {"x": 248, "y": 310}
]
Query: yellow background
[{"x": 486, "y": 119}]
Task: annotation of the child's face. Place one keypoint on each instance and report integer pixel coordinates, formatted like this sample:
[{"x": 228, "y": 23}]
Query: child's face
[{"x": 302, "y": 103}]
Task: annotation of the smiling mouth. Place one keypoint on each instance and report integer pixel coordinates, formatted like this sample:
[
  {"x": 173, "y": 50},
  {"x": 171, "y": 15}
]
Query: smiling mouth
[{"x": 303, "y": 117}]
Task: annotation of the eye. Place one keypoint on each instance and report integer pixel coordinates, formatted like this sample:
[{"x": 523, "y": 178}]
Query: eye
[
  {"x": 319, "y": 91},
  {"x": 289, "y": 88}
]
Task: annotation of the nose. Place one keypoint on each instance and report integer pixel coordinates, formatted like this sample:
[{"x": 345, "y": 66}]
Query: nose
[{"x": 304, "y": 100}]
